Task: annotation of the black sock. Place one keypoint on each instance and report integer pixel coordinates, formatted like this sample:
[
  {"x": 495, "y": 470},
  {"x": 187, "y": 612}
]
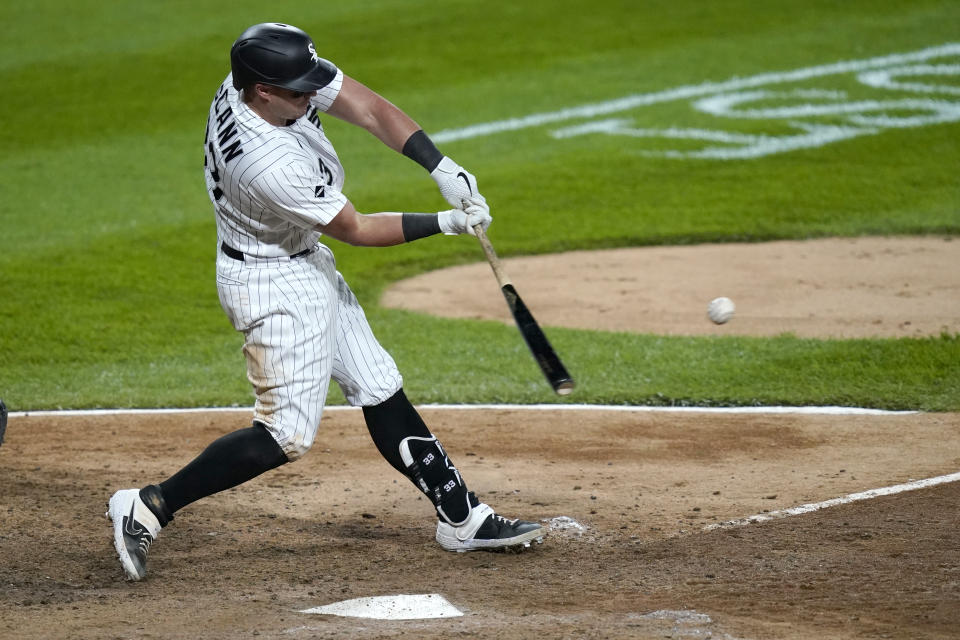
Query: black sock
[
  {"x": 228, "y": 461},
  {"x": 390, "y": 422}
]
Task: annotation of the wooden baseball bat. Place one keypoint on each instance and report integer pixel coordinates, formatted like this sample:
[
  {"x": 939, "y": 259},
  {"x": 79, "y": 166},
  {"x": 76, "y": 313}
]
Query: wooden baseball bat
[
  {"x": 556, "y": 374},
  {"x": 3, "y": 420}
]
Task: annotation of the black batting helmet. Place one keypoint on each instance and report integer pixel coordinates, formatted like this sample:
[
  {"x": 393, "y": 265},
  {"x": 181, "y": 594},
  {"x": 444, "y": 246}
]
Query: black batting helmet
[{"x": 280, "y": 55}]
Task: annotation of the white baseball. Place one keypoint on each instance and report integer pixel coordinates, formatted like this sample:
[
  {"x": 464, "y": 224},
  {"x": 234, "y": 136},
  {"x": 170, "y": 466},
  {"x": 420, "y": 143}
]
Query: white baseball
[{"x": 720, "y": 310}]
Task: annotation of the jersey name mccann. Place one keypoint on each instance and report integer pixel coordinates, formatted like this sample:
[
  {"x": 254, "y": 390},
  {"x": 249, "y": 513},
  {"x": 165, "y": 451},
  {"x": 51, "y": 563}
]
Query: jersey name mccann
[{"x": 226, "y": 127}]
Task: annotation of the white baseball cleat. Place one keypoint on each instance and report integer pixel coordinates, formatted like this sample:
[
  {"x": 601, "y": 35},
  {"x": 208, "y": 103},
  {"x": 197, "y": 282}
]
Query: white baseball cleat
[
  {"x": 135, "y": 527},
  {"x": 485, "y": 530}
]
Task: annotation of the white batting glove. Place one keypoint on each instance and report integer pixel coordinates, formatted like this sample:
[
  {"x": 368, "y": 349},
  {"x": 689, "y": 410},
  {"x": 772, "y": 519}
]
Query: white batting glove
[
  {"x": 457, "y": 221},
  {"x": 457, "y": 185}
]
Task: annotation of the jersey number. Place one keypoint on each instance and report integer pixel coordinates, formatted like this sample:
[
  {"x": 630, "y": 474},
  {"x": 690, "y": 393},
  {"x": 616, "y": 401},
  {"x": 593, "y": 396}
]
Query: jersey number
[
  {"x": 228, "y": 141},
  {"x": 208, "y": 161}
]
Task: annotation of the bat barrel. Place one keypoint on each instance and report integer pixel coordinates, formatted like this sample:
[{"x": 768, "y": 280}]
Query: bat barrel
[
  {"x": 550, "y": 364},
  {"x": 564, "y": 387},
  {"x": 541, "y": 349}
]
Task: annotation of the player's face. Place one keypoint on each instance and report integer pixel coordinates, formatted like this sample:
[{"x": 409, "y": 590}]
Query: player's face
[
  {"x": 297, "y": 101},
  {"x": 281, "y": 105}
]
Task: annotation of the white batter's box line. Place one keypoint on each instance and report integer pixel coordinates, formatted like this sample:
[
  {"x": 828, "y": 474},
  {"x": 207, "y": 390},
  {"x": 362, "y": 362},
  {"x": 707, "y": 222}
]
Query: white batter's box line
[
  {"x": 845, "y": 411},
  {"x": 847, "y": 499},
  {"x": 626, "y": 103},
  {"x": 838, "y": 411}
]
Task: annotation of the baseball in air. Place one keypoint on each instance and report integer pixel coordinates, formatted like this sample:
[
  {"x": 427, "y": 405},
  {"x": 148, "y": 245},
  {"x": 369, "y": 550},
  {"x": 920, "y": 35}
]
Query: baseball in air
[{"x": 720, "y": 310}]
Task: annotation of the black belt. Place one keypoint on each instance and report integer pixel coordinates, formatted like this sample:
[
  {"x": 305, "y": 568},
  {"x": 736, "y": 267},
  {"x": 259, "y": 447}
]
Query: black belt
[{"x": 238, "y": 255}]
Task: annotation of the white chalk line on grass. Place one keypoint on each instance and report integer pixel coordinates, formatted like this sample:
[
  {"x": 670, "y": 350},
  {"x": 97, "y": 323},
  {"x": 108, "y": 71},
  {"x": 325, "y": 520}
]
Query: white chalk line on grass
[
  {"x": 836, "y": 411},
  {"x": 853, "y": 497},
  {"x": 691, "y": 91}
]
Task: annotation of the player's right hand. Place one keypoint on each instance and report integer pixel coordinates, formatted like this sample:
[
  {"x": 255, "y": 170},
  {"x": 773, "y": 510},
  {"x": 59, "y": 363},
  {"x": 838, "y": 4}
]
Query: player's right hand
[{"x": 457, "y": 221}]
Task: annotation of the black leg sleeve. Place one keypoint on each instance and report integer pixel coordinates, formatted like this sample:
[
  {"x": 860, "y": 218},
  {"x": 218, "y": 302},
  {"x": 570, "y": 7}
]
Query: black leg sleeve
[
  {"x": 390, "y": 422},
  {"x": 228, "y": 461},
  {"x": 395, "y": 421}
]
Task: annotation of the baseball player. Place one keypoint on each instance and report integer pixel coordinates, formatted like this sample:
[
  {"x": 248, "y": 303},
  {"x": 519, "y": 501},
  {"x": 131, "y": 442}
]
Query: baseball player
[{"x": 277, "y": 185}]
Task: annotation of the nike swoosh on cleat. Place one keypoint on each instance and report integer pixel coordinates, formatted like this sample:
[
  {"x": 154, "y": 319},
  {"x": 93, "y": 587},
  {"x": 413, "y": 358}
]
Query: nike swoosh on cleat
[
  {"x": 465, "y": 179},
  {"x": 138, "y": 531}
]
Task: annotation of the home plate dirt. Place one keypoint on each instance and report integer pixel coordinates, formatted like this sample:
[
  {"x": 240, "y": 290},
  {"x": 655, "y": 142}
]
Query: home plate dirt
[{"x": 627, "y": 496}]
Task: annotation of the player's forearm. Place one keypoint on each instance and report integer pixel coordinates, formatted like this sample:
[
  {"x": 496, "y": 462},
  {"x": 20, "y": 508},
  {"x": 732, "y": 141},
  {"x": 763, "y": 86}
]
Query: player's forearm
[
  {"x": 395, "y": 127},
  {"x": 390, "y": 125},
  {"x": 382, "y": 229},
  {"x": 360, "y": 106},
  {"x": 364, "y": 108},
  {"x": 386, "y": 229}
]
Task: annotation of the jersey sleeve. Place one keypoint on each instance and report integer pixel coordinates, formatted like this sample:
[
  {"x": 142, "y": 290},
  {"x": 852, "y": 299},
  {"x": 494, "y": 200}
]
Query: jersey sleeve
[
  {"x": 326, "y": 95},
  {"x": 299, "y": 195}
]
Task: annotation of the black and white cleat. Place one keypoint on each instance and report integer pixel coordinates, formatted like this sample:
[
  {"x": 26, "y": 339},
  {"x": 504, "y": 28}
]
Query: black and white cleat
[{"x": 487, "y": 531}]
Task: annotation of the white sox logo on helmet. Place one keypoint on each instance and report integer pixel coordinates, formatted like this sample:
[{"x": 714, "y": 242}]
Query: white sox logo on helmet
[{"x": 313, "y": 53}]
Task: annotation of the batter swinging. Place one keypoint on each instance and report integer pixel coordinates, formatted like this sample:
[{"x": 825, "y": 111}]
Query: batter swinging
[{"x": 276, "y": 185}]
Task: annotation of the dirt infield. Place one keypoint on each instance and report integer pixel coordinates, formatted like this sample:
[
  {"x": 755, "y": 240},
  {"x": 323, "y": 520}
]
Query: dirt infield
[
  {"x": 341, "y": 524},
  {"x": 629, "y": 495}
]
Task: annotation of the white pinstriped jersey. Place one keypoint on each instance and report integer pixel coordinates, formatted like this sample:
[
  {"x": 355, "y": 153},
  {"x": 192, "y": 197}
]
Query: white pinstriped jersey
[
  {"x": 270, "y": 186},
  {"x": 302, "y": 325}
]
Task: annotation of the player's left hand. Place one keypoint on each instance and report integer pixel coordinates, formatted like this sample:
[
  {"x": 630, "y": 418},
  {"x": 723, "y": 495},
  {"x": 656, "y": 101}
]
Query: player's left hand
[
  {"x": 457, "y": 221},
  {"x": 457, "y": 185}
]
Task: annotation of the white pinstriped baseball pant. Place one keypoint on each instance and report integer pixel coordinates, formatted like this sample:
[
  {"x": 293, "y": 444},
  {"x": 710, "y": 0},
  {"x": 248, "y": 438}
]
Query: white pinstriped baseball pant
[{"x": 302, "y": 326}]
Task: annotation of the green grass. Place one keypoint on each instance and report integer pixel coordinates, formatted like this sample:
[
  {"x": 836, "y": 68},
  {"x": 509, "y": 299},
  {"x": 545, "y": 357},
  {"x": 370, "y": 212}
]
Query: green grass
[{"x": 107, "y": 296}]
